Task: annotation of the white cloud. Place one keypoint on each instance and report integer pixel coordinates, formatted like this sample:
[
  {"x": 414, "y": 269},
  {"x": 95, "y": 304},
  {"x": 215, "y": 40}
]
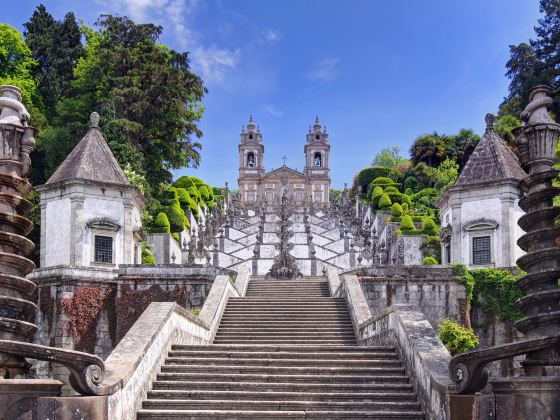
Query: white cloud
[
  {"x": 214, "y": 62},
  {"x": 273, "y": 110},
  {"x": 272, "y": 35},
  {"x": 325, "y": 71},
  {"x": 176, "y": 15}
]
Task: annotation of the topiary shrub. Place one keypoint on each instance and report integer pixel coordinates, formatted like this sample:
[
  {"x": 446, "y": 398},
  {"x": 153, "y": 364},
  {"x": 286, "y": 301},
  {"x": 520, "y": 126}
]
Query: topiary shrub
[
  {"x": 429, "y": 261},
  {"x": 161, "y": 224},
  {"x": 407, "y": 225},
  {"x": 365, "y": 176},
  {"x": 384, "y": 202},
  {"x": 429, "y": 227},
  {"x": 405, "y": 199},
  {"x": 204, "y": 193},
  {"x": 456, "y": 338},
  {"x": 405, "y": 208},
  {"x": 176, "y": 218},
  {"x": 396, "y": 210},
  {"x": 383, "y": 181},
  {"x": 391, "y": 189},
  {"x": 176, "y": 236},
  {"x": 408, "y": 191}
]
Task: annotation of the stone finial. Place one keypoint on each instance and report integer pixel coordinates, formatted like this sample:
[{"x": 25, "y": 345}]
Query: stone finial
[
  {"x": 94, "y": 120},
  {"x": 489, "y": 121},
  {"x": 13, "y": 110},
  {"x": 536, "y": 111}
]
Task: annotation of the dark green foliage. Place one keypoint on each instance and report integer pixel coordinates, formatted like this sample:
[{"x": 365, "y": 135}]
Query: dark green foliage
[
  {"x": 495, "y": 292},
  {"x": 57, "y": 46},
  {"x": 161, "y": 224},
  {"x": 149, "y": 100},
  {"x": 429, "y": 261},
  {"x": 457, "y": 338},
  {"x": 491, "y": 289},
  {"x": 424, "y": 202}
]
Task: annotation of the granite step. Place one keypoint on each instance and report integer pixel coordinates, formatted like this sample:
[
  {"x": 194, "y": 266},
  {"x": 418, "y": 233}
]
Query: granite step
[
  {"x": 287, "y": 387},
  {"x": 267, "y": 405},
  {"x": 338, "y": 396},
  {"x": 371, "y": 378},
  {"x": 273, "y": 348},
  {"x": 287, "y": 362},
  {"x": 146, "y": 414}
]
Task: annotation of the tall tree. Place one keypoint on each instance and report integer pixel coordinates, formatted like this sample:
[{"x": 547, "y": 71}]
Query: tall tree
[
  {"x": 429, "y": 149},
  {"x": 538, "y": 61},
  {"x": 17, "y": 67},
  {"x": 149, "y": 101},
  {"x": 56, "y": 46}
]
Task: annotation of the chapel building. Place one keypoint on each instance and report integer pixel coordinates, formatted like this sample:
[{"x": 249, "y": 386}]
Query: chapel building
[
  {"x": 479, "y": 213},
  {"x": 256, "y": 186}
]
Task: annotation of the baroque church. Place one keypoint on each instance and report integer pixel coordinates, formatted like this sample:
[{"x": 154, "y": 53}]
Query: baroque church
[{"x": 258, "y": 186}]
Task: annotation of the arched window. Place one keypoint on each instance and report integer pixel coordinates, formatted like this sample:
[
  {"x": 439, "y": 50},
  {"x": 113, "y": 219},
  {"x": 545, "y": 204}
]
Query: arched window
[
  {"x": 250, "y": 137},
  {"x": 317, "y": 137},
  {"x": 317, "y": 160},
  {"x": 250, "y": 160}
]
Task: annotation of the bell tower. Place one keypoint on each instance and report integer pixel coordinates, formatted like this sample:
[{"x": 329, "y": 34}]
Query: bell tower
[
  {"x": 251, "y": 165},
  {"x": 317, "y": 170}
]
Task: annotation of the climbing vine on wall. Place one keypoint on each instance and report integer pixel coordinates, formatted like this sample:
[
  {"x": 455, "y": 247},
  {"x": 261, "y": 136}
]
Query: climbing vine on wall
[
  {"x": 84, "y": 309},
  {"x": 492, "y": 290}
]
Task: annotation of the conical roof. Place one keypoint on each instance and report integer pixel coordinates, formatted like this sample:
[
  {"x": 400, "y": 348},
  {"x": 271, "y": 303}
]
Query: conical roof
[
  {"x": 491, "y": 160},
  {"x": 91, "y": 160}
]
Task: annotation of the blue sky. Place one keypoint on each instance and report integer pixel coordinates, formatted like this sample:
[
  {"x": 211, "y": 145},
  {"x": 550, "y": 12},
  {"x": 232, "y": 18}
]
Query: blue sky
[{"x": 376, "y": 73}]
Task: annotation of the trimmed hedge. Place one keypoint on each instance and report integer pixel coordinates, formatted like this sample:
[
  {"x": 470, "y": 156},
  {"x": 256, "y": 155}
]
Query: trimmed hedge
[
  {"x": 429, "y": 261},
  {"x": 365, "y": 176},
  {"x": 407, "y": 224},
  {"x": 176, "y": 218},
  {"x": 396, "y": 210},
  {"x": 384, "y": 201},
  {"x": 161, "y": 224}
]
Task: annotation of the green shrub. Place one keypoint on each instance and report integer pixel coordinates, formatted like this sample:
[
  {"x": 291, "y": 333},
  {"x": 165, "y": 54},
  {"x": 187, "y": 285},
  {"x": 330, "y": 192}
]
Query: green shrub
[
  {"x": 405, "y": 208},
  {"x": 384, "y": 202},
  {"x": 407, "y": 225},
  {"x": 194, "y": 311},
  {"x": 405, "y": 199},
  {"x": 429, "y": 227},
  {"x": 147, "y": 256},
  {"x": 396, "y": 210},
  {"x": 176, "y": 236},
  {"x": 429, "y": 261},
  {"x": 365, "y": 176},
  {"x": 391, "y": 189},
  {"x": 204, "y": 193},
  {"x": 457, "y": 338},
  {"x": 161, "y": 224},
  {"x": 176, "y": 218},
  {"x": 408, "y": 191},
  {"x": 169, "y": 197},
  {"x": 411, "y": 183},
  {"x": 383, "y": 181}
]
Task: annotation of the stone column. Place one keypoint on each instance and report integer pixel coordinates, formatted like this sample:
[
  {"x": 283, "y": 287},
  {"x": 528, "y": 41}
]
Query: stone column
[
  {"x": 17, "y": 309},
  {"x": 541, "y": 303}
]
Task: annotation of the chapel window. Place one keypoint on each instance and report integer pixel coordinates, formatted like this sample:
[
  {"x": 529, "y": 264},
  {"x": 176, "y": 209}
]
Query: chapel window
[
  {"x": 317, "y": 137},
  {"x": 103, "y": 249},
  {"x": 250, "y": 137},
  {"x": 482, "y": 253}
]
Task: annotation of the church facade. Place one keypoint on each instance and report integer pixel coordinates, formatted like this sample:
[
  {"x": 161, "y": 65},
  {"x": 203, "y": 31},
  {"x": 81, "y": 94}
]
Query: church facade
[{"x": 257, "y": 186}]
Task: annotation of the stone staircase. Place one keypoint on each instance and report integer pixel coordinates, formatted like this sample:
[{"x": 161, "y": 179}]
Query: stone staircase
[{"x": 286, "y": 350}]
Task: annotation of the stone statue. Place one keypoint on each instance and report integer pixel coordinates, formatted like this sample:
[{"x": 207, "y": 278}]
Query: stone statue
[{"x": 13, "y": 110}]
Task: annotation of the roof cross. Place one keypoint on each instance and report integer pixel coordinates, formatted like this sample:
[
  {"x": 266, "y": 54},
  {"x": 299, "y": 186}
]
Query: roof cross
[{"x": 284, "y": 159}]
